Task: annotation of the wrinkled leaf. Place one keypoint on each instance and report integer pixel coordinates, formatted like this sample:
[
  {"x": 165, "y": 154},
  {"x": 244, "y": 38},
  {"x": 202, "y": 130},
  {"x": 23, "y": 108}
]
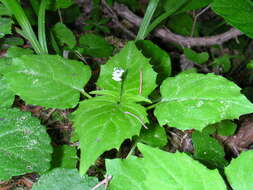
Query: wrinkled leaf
[
  {"x": 64, "y": 179},
  {"x": 197, "y": 100},
  {"x": 48, "y": 80},
  {"x": 25, "y": 144},
  {"x": 6, "y": 94}
]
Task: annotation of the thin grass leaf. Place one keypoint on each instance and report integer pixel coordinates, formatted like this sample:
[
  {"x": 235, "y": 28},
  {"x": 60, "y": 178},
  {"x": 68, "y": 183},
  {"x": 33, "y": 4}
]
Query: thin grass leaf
[
  {"x": 41, "y": 26},
  {"x": 23, "y": 21},
  {"x": 165, "y": 15},
  {"x": 142, "y": 33}
]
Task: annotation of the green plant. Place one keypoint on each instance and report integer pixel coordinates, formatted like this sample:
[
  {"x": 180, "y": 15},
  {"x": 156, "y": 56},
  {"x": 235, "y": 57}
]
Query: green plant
[{"x": 138, "y": 96}]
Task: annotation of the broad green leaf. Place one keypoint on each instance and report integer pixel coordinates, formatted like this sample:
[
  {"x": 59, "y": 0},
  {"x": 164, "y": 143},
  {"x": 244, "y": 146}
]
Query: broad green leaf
[
  {"x": 64, "y": 35},
  {"x": 195, "y": 57},
  {"x": 18, "y": 51},
  {"x": 6, "y": 95},
  {"x": 208, "y": 150},
  {"x": 197, "y": 100},
  {"x": 95, "y": 46},
  {"x": 103, "y": 124},
  {"x": 154, "y": 136},
  {"x": 130, "y": 172},
  {"x": 138, "y": 73},
  {"x": 163, "y": 171},
  {"x": 25, "y": 144},
  {"x": 158, "y": 58},
  {"x": 240, "y": 171},
  {"x": 239, "y": 14},
  {"x": 5, "y": 26},
  {"x": 64, "y": 157},
  {"x": 48, "y": 80},
  {"x": 64, "y": 179}
]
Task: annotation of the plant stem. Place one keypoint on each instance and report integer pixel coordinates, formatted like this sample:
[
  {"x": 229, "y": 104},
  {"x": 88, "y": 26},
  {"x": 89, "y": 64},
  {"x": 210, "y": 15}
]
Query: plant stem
[
  {"x": 153, "y": 106},
  {"x": 86, "y": 94},
  {"x": 142, "y": 33}
]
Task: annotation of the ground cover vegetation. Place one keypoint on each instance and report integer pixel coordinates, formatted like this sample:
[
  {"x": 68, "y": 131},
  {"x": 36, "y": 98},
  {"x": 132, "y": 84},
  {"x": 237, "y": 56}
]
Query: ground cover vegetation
[{"x": 126, "y": 94}]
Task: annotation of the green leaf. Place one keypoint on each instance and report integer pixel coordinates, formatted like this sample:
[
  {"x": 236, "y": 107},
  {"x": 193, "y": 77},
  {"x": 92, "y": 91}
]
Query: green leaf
[
  {"x": 159, "y": 58},
  {"x": 64, "y": 35},
  {"x": 25, "y": 144},
  {"x": 236, "y": 13},
  {"x": 193, "y": 56},
  {"x": 62, "y": 4},
  {"x": 64, "y": 157},
  {"x": 95, "y": 46},
  {"x": 226, "y": 128},
  {"x": 13, "y": 41},
  {"x": 182, "y": 24},
  {"x": 135, "y": 67},
  {"x": 224, "y": 62},
  {"x": 239, "y": 172},
  {"x": 64, "y": 179},
  {"x": 250, "y": 64},
  {"x": 102, "y": 124},
  {"x": 6, "y": 95},
  {"x": 197, "y": 100},
  {"x": 193, "y": 5},
  {"x": 18, "y": 51},
  {"x": 163, "y": 171},
  {"x": 48, "y": 80},
  {"x": 154, "y": 136},
  {"x": 5, "y": 26},
  {"x": 4, "y": 11},
  {"x": 208, "y": 150}
]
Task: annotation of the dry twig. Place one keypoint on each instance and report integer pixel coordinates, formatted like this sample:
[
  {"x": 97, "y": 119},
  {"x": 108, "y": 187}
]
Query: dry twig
[{"x": 169, "y": 37}]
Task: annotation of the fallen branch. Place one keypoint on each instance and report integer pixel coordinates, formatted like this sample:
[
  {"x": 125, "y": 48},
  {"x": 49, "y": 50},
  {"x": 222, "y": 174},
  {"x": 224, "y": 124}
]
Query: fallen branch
[{"x": 169, "y": 37}]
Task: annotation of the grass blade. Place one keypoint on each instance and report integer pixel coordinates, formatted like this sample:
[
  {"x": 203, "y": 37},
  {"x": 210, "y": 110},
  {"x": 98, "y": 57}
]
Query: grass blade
[
  {"x": 23, "y": 21},
  {"x": 41, "y": 26},
  {"x": 142, "y": 33}
]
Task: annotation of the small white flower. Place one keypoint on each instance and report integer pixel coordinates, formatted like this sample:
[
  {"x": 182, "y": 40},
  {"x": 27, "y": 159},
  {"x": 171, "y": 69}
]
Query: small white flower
[{"x": 117, "y": 74}]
